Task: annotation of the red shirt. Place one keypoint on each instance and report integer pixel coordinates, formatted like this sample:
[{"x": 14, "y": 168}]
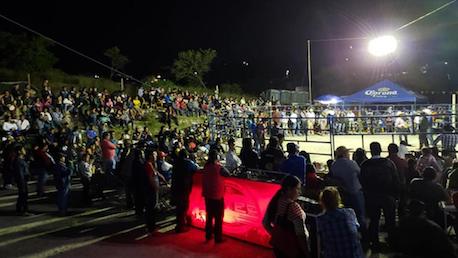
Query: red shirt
[
  {"x": 150, "y": 172},
  {"x": 108, "y": 149},
  {"x": 212, "y": 182}
]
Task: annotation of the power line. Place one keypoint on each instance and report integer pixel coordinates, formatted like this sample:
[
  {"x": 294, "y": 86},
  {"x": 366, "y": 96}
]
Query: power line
[
  {"x": 70, "y": 49},
  {"x": 426, "y": 15}
]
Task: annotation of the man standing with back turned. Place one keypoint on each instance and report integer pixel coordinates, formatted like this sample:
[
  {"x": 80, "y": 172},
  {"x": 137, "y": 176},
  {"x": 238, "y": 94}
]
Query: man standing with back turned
[{"x": 380, "y": 183}]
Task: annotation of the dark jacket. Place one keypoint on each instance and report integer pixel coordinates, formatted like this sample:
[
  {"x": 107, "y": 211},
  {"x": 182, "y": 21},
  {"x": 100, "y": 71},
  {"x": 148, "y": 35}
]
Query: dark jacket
[
  {"x": 249, "y": 158},
  {"x": 401, "y": 167},
  {"x": 420, "y": 237},
  {"x": 271, "y": 159},
  {"x": 183, "y": 172},
  {"x": 379, "y": 178},
  {"x": 21, "y": 173},
  {"x": 62, "y": 176},
  {"x": 431, "y": 194}
]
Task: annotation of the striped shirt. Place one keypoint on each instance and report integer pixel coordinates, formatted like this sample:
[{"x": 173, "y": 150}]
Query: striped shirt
[
  {"x": 295, "y": 214},
  {"x": 448, "y": 140}
]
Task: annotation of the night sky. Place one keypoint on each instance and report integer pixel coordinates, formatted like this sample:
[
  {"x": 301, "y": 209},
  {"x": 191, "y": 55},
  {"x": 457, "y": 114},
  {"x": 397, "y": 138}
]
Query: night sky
[{"x": 269, "y": 35}]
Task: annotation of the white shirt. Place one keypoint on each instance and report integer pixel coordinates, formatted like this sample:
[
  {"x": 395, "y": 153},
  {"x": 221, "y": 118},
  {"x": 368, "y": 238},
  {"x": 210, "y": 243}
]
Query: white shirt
[
  {"x": 400, "y": 123},
  {"x": 284, "y": 118},
  {"x": 351, "y": 116},
  {"x": 86, "y": 169},
  {"x": 8, "y": 126},
  {"x": 232, "y": 160},
  {"x": 293, "y": 117},
  {"x": 46, "y": 116},
  {"x": 68, "y": 101},
  {"x": 402, "y": 151},
  {"x": 166, "y": 166},
  {"x": 23, "y": 125}
]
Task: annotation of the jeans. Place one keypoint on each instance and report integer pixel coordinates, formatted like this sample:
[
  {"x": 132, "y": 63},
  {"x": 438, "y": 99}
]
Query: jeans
[
  {"x": 62, "y": 199},
  {"x": 86, "y": 182},
  {"x": 214, "y": 210},
  {"x": 42, "y": 177},
  {"x": 21, "y": 204},
  {"x": 109, "y": 166},
  {"x": 356, "y": 202},
  {"x": 423, "y": 138},
  {"x": 430, "y": 135},
  {"x": 374, "y": 205},
  {"x": 182, "y": 206},
  {"x": 151, "y": 201}
]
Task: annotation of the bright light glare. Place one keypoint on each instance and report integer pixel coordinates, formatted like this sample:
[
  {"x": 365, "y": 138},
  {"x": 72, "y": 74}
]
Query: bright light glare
[
  {"x": 383, "y": 46},
  {"x": 331, "y": 101}
]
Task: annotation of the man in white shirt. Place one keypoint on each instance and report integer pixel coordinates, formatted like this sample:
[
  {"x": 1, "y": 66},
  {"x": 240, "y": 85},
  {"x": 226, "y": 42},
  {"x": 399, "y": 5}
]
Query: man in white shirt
[
  {"x": 351, "y": 120},
  {"x": 232, "y": 160},
  {"x": 8, "y": 125},
  {"x": 46, "y": 116},
  {"x": 310, "y": 121},
  {"x": 401, "y": 126},
  {"x": 293, "y": 118},
  {"x": 23, "y": 124}
]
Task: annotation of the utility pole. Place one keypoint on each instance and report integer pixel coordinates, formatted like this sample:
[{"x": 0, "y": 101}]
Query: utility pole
[{"x": 309, "y": 69}]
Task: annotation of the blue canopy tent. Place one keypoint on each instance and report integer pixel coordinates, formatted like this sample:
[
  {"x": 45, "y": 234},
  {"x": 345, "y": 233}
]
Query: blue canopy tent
[{"x": 385, "y": 91}]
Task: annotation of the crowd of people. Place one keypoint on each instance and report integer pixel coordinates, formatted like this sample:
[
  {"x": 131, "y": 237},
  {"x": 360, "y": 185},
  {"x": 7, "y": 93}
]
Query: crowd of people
[
  {"x": 98, "y": 137},
  {"x": 262, "y": 118},
  {"x": 69, "y": 134},
  {"x": 409, "y": 189}
]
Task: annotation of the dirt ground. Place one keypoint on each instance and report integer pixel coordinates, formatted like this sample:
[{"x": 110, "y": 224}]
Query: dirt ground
[{"x": 320, "y": 148}]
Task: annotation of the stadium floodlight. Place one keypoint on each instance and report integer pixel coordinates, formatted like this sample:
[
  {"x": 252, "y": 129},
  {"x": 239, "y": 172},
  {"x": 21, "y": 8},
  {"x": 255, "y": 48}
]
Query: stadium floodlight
[{"x": 382, "y": 46}]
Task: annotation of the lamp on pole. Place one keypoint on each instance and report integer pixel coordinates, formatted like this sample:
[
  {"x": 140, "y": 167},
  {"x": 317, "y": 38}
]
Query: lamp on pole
[{"x": 378, "y": 47}]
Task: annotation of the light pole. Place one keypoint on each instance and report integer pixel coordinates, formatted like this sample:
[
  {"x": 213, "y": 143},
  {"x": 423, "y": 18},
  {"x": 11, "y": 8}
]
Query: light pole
[
  {"x": 309, "y": 69},
  {"x": 378, "y": 47}
]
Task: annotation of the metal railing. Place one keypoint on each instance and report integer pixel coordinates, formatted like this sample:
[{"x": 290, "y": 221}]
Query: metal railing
[{"x": 402, "y": 126}]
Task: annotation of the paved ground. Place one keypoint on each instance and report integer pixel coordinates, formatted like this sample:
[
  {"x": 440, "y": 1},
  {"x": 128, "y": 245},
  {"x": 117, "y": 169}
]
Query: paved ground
[{"x": 104, "y": 229}]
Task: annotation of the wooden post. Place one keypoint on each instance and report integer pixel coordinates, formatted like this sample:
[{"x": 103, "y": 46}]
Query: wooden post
[
  {"x": 122, "y": 84},
  {"x": 29, "y": 80}
]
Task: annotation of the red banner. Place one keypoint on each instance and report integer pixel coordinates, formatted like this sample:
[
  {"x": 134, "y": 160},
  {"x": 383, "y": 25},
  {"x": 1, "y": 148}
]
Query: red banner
[{"x": 245, "y": 204}]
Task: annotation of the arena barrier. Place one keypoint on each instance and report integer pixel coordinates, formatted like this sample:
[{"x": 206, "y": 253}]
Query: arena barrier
[{"x": 329, "y": 132}]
